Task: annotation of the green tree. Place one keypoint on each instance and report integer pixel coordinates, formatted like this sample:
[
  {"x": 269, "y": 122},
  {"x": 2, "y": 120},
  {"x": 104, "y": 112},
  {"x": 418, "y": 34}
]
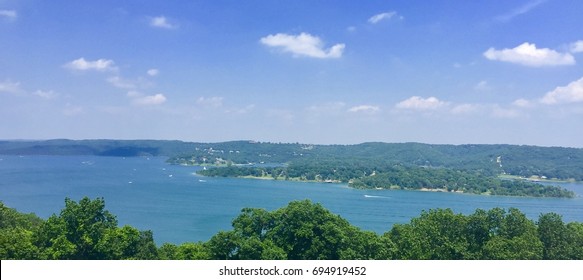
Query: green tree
[
  {"x": 307, "y": 231},
  {"x": 575, "y": 230},
  {"x": 514, "y": 237},
  {"x": 192, "y": 251},
  {"x": 436, "y": 234},
  {"x": 127, "y": 243},
  {"x": 16, "y": 244},
  {"x": 555, "y": 237},
  {"x": 16, "y": 231},
  {"x": 77, "y": 231},
  {"x": 85, "y": 230}
]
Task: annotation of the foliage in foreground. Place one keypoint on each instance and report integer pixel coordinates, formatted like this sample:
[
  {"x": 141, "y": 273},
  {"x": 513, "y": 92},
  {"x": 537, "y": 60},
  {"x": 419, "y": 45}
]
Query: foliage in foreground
[{"x": 301, "y": 230}]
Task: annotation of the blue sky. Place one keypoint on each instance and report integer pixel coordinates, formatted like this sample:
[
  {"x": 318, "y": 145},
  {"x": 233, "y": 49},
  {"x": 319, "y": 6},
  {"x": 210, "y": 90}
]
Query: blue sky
[{"x": 326, "y": 72}]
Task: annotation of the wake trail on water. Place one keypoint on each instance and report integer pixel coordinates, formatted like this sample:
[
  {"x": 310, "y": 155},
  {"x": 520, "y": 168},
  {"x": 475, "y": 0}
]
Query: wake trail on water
[{"x": 377, "y": 196}]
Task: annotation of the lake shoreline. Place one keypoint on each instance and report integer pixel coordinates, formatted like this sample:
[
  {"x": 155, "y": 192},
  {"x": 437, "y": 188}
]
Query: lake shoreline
[{"x": 436, "y": 190}]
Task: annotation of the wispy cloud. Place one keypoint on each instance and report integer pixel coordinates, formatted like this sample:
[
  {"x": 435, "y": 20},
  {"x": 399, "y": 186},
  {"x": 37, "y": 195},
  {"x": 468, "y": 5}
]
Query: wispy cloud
[
  {"x": 505, "y": 113},
  {"x": 482, "y": 86},
  {"x": 45, "y": 94},
  {"x": 529, "y": 55},
  {"x": 9, "y": 14},
  {"x": 101, "y": 65},
  {"x": 523, "y": 103},
  {"x": 149, "y": 100},
  {"x": 119, "y": 82},
  {"x": 382, "y": 16},
  {"x": 72, "y": 110},
  {"x": 576, "y": 47},
  {"x": 420, "y": 103},
  {"x": 465, "y": 109},
  {"x": 519, "y": 11},
  {"x": 10, "y": 87},
  {"x": 303, "y": 44},
  {"x": 571, "y": 93},
  {"x": 212, "y": 102},
  {"x": 162, "y": 22},
  {"x": 368, "y": 109},
  {"x": 153, "y": 72}
]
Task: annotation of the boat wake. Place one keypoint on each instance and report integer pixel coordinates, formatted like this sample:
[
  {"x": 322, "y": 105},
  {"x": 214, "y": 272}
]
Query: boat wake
[{"x": 376, "y": 196}]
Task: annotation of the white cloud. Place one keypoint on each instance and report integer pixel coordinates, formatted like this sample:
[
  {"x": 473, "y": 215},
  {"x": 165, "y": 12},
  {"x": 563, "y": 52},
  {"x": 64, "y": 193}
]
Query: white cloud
[
  {"x": 303, "y": 44},
  {"x": 9, "y": 14},
  {"x": 382, "y": 16},
  {"x": 419, "y": 103},
  {"x": 162, "y": 22},
  {"x": 571, "y": 93},
  {"x": 153, "y": 72},
  {"x": 576, "y": 47},
  {"x": 527, "y": 54},
  {"x": 369, "y": 109},
  {"x": 45, "y": 94},
  {"x": 213, "y": 102},
  {"x": 156, "y": 99},
  {"x": 10, "y": 87},
  {"x": 98, "y": 65}
]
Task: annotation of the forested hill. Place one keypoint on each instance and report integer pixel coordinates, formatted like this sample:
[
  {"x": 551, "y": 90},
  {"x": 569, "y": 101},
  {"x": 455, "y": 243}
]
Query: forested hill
[
  {"x": 550, "y": 162},
  {"x": 119, "y": 148}
]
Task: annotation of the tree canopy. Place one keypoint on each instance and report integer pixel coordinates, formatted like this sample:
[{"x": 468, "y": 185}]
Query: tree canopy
[{"x": 302, "y": 230}]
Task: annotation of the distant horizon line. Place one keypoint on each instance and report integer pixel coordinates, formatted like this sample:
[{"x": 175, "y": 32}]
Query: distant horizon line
[{"x": 277, "y": 142}]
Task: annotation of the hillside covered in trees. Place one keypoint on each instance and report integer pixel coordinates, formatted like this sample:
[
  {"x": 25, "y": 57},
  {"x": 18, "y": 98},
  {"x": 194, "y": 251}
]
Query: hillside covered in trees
[
  {"x": 543, "y": 162},
  {"x": 300, "y": 231}
]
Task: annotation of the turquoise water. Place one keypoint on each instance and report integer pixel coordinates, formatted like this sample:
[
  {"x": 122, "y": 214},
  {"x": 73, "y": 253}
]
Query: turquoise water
[{"x": 179, "y": 206}]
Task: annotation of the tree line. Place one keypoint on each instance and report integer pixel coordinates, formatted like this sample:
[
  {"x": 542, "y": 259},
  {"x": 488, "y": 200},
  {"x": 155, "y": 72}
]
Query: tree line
[
  {"x": 300, "y": 231},
  {"x": 369, "y": 175}
]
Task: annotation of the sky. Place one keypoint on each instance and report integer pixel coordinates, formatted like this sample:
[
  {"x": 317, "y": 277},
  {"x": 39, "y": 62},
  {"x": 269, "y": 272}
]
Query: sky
[{"x": 321, "y": 72}]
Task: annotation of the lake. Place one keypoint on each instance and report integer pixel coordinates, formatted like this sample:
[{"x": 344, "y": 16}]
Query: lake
[{"x": 179, "y": 206}]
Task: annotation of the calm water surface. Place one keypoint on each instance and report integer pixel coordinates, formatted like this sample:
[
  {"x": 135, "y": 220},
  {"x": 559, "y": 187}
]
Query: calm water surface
[{"x": 179, "y": 206}]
